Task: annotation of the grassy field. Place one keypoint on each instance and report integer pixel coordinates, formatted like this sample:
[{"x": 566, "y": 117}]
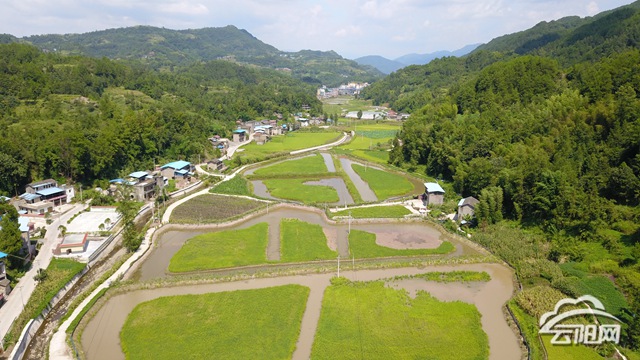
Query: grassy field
[
  {"x": 236, "y": 186},
  {"x": 211, "y": 208},
  {"x": 301, "y": 241},
  {"x": 362, "y": 244},
  {"x": 371, "y": 142},
  {"x": 223, "y": 249},
  {"x": 294, "y": 189},
  {"x": 59, "y": 273},
  {"x": 393, "y": 211},
  {"x": 286, "y": 143},
  {"x": 247, "y": 324},
  {"x": 307, "y": 165},
  {"x": 371, "y": 321},
  {"x": 384, "y": 184},
  {"x": 347, "y": 103}
]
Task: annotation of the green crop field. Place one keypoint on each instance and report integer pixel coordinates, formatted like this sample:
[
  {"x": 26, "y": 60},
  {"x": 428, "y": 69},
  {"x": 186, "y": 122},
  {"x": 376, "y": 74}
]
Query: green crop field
[
  {"x": 301, "y": 241},
  {"x": 362, "y": 244},
  {"x": 223, "y": 249},
  {"x": 393, "y": 211},
  {"x": 367, "y": 320},
  {"x": 383, "y": 183},
  {"x": 307, "y": 165},
  {"x": 210, "y": 208},
  {"x": 286, "y": 143},
  {"x": 294, "y": 189},
  {"x": 236, "y": 186},
  {"x": 247, "y": 324}
]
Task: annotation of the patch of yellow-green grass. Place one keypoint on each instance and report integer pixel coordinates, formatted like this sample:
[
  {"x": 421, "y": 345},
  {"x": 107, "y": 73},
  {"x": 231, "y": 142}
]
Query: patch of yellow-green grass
[
  {"x": 367, "y": 320},
  {"x": 568, "y": 352},
  {"x": 286, "y": 143},
  {"x": 222, "y": 249},
  {"x": 301, "y": 241},
  {"x": 211, "y": 208},
  {"x": 58, "y": 274},
  {"x": 393, "y": 211},
  {"x": 246, "y": 324},
  {"x": 294, "y": 189},
  {"x": 307, "y": 165},
  {"x": 362, "y": 244},
  {"x": 236, "y": 186},
  {"x": 385, "y": 184}
]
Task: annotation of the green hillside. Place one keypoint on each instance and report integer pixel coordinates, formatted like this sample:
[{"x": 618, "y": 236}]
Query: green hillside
[
  {"x": 82, "y": 119},
  {"x": 164, "y": 49}
]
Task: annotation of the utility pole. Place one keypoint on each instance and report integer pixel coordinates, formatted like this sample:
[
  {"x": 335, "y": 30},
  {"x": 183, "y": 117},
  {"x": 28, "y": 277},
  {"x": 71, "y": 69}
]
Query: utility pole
[
  {"x": 338, "y": 265},
  {"x": 349, "y": 222}
]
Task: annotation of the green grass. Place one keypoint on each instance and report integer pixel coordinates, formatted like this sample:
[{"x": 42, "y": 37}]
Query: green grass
[
  {"x": 599, "y": 286},
  {"x": 393, "y": 211},
  {"x": 210, "y": 208},
  {"x": 301, "y": 241},
  {"x": 236, "y": 186},
  {"x": 367, "y": 320},
  {"x": 306, "y": 165},
  {"x": 222, "y": 249},
  {"x": 348, "y": 103},
  {"x": 566, "y": 352},
  {"x": 59, "y": 273},
  {"x": 362, "y": 244},
  {"x": 247, "y": 324},
  {"x": 294, "y": 189},
  {"x": 286, "y": 143},
  {"x": 383, "y": 183},
  {"x": 529, "y": 328}
]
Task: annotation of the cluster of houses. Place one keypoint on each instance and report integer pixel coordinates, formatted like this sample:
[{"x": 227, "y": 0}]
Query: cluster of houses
[
  {"x": 146, "y": 185},
  {"x": 434, "y": 195},
  {"x": 42, "y": 196}
]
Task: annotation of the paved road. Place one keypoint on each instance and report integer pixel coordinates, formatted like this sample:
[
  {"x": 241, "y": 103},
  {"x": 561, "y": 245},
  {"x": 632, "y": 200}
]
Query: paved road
[{"x": 23, "y": 290}]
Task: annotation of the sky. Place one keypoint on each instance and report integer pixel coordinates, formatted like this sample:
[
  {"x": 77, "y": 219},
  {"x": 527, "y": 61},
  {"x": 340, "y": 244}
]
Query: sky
[{"x": 352, "y": 28}]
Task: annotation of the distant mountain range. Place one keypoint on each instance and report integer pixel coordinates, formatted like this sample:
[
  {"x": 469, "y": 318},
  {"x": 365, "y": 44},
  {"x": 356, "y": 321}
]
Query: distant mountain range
[
  {"x": 387, "y": 66},
  {"x": 164, "y": 48}
]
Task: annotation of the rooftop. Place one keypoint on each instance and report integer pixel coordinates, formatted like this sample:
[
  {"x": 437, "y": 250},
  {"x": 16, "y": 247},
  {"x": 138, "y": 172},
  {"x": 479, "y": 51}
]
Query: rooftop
[
  {"x": 2, "y": 255},
  {"x": 239, "y": 131},
  {"x": 42, "y": 183},
  {"x": 29, "y": 197},
  {"x": 49, "y": 191},
  {"x": 138, "y": 174},
  {"x": 471, "y": 201},
  {"x": 176, "y": 164},
  {"x": 433, "y": 187}
]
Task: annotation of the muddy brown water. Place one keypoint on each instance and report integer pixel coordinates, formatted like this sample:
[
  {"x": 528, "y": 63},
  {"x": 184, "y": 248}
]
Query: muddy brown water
[
  {"x": 363, "y": 188},
  {"x": 100, "y": 339},
  {"x": 156, "y": 263}
]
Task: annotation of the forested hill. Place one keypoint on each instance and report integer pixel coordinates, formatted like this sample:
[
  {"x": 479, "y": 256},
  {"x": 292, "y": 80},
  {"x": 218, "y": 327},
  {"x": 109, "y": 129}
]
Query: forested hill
[
  {"x": 82, "y": 119},
  {"x": 165, "y": 48},
  {"x": 551, "y": 139}
]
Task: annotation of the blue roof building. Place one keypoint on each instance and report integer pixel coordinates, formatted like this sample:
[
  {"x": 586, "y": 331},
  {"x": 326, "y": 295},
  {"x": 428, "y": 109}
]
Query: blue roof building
[{"x": 176, "y": 165}]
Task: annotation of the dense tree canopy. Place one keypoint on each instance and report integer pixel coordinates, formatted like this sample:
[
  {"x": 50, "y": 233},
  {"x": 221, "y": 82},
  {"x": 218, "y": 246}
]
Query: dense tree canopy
[{"x": 84, "y": 119}]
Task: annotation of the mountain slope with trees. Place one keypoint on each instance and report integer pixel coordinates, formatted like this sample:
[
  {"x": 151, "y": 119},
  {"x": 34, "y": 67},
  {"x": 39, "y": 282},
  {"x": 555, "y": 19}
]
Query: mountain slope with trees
[
  {"x": 545, "y": 131},
  {"x": 165, "y": 48},
  {"x": 83, "y": 119}
]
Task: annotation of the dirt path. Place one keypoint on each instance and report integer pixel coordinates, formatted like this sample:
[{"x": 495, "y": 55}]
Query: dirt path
[{"x": 101, "y": 340}]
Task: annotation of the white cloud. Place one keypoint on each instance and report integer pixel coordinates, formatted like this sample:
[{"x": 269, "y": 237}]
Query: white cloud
[{"x": 352, "y": 28}]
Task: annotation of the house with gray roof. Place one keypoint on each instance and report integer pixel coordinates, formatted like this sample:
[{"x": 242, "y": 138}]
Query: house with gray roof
[{"x": 433, "y": 194}]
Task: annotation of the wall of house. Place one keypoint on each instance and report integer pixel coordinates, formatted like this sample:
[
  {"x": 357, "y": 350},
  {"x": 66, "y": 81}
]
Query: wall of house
[{"x": 435, "y": 199}]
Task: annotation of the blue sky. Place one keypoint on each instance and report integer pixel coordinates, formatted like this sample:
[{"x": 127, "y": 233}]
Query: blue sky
[{"x": 352, "y": 28}]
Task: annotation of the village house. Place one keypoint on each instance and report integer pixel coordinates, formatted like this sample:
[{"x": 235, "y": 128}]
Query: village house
[
  {"x": 5, "y": 283},
  {"x": 433, "y": 194},
  {"x": 240, "y": 135},
  {"x": 177, "y": 170},
  {"x": 466, "y": 208},
  {"x": 220, "y": 143},
  {"x": 261, "y": 137},
  {"x": 41, "y": 196},
  {"x": 216, "y": 165}
]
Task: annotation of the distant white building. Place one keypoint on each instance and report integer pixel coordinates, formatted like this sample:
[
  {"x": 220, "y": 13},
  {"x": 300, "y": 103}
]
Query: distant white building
[{"x": 366, "y": 115}]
